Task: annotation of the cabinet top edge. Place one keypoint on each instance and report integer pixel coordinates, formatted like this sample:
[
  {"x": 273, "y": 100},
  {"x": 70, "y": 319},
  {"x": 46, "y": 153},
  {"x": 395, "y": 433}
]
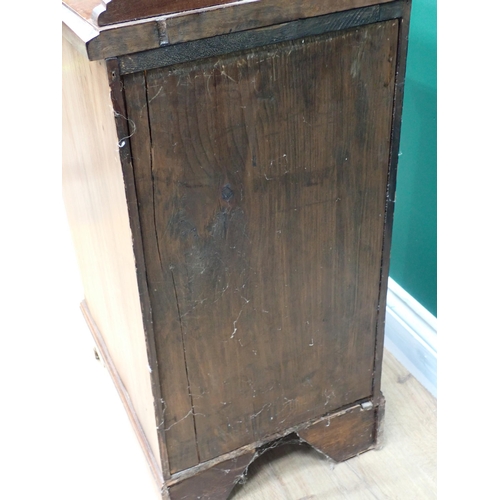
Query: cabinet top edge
[
  {"x": 111, "y": 28},
  {"x": 109, "y": 12}
]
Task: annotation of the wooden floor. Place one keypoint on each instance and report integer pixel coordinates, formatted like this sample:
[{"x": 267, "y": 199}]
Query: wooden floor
[{"x": 404, "y": 468}]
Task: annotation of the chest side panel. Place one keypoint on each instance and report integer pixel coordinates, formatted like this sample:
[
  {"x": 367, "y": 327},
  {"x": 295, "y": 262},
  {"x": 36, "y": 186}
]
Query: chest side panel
[
  {"x": 96, "y": 207},
  {"x": 264, "y": 179}
]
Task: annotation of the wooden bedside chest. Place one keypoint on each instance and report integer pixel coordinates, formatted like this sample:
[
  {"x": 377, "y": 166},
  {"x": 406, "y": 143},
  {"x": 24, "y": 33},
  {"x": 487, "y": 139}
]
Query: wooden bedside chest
[{"x": 229, "y": 173}]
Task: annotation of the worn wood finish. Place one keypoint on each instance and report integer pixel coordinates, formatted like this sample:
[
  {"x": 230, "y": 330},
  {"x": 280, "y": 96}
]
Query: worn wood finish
[
  {"x": 225, "y": 44},
  {"x": 294, "y": 163},
  {"x": 135, "y": 37},
  {"x": 343, "y": 437},
  {"x": 354, "y": 426},
  {"x": 94, "y": 194},
  {"x": 123, "y": 130},
  {"x": 404, "y": 468},
  {"x": 177, "y": 407},
  {"x": 271, "y": 441},
  {"x": 340, "y": 437},
  {"x": 233, "y": 223},
  {"x": 128, "y": 38},
  {"x": 253, "y": 15},
  {"x": 250, "y": 10},
  {"x": 215, "y": 483}
]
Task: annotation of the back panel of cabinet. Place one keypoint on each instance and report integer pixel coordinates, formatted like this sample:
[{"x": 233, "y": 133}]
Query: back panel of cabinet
[{"x": 261, "y": 179}]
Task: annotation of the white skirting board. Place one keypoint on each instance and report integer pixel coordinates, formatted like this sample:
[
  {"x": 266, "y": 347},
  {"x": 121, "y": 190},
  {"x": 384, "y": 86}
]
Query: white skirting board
[{"x": 411, "y": 335}]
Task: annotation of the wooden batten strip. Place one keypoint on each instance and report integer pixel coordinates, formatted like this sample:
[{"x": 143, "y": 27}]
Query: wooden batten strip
[
  {"x": 224, "y": 44},
  {"x": 123, "y": 393}
]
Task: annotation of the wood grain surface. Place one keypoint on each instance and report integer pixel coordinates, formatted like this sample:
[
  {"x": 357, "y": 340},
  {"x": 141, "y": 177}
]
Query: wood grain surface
[
  {"x": 343, "y": 437},
  {"x": 131, "y": 37},
  {"x": 130, "y": 9},
  {"x": 215, "y": 483},
  {"x": 177, "y": 400},
  {"x": 122, "y": 128},
  {"x": 261, "y": 184},
  {"x": 403, "y": 468},
  {"x": 253, "y": 15},
  {"x": 252, "y": 39},
  {"x": 94, "y": 195}
]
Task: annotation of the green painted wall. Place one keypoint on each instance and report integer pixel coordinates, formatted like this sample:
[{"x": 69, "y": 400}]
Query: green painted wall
[{"x": 413, "y": 254}]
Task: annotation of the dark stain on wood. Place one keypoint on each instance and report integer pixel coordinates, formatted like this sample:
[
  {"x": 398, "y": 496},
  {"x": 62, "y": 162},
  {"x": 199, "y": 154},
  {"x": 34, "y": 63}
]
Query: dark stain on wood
[
  {"x": 232, "y": 42},
  {"x": 117, "y": 96},
  {"x": 213, "y": 484},
  {"x": 127, "y": 38},
  {"x": 344, "y": 436},
  {"x": 176, "y": 408},
  {"x": 261, "y": 180},
  {"x": 259, "y": 159}
]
